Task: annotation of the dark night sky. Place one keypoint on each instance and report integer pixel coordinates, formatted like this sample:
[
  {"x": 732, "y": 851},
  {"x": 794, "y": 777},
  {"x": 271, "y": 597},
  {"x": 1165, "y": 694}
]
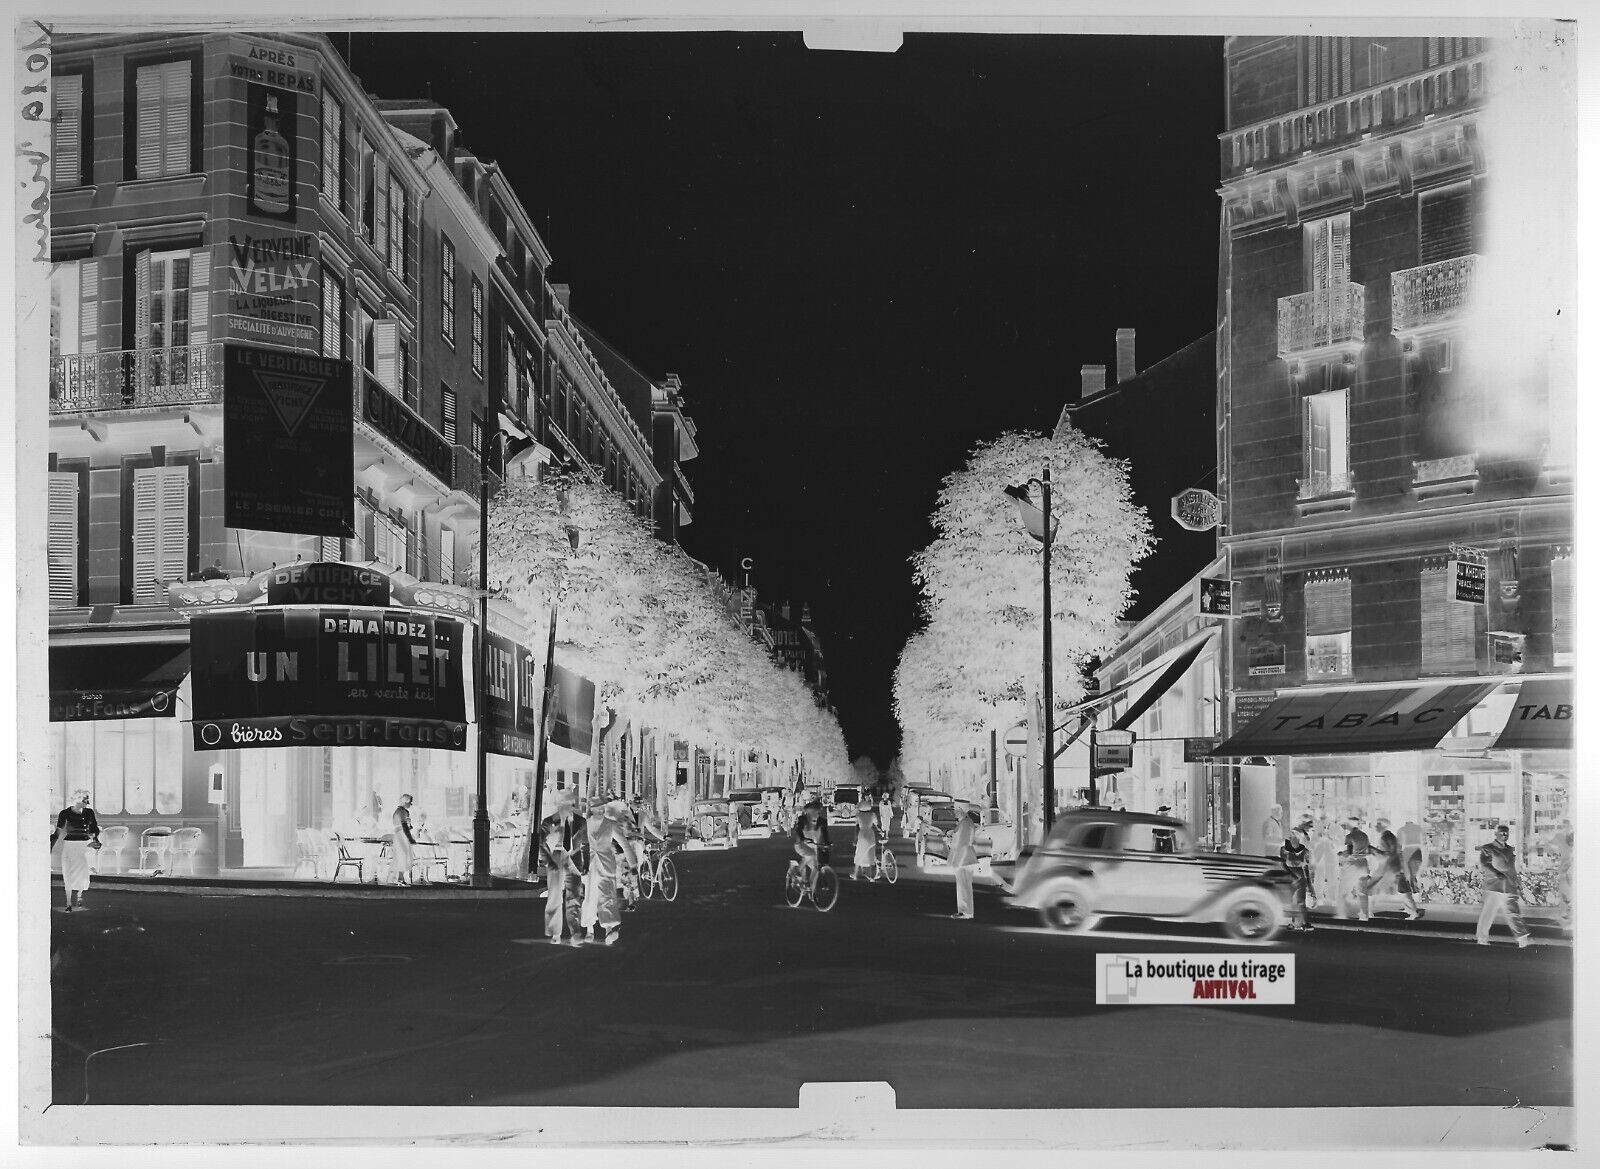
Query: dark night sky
[{"x": 860, "y": 264}]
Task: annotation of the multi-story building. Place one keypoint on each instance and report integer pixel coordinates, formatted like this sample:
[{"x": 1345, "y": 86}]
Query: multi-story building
[
  {"x": 216, "y": 193},
  {"x": 1395, "y": 468}
]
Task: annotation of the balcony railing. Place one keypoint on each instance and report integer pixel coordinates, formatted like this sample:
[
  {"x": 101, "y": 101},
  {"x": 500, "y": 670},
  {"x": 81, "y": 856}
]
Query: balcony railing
[
  {"x": 1430, "y": 295},
  {"x": 683, "y": 482},
  {"x": 129, "y": 379},
  {"x": 1394, "y": 103},
  {"x": 1319, "y": 484},
  {"x": 469, "y": 472},
  {"x": 1327, "y": 317},
  {"x": 1454, "y": 475}
]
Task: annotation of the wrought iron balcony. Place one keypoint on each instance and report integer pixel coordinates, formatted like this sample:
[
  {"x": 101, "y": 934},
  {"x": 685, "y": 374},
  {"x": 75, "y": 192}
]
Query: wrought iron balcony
[
  {"x": 1431, "y": 295},
  {"x": 132, "y": 379},
  {"x": 469, "y": 473},
  {"x": 1327, "y": 318},
  {"x": 683, "y": 482}
]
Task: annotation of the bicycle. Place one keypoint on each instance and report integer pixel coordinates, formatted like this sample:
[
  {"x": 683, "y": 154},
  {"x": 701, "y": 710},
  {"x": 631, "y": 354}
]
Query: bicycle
[
  {"x": 796, "y": 889},
  {"x": 887, "y": 867},
  {"x": 658, "y": 874}
]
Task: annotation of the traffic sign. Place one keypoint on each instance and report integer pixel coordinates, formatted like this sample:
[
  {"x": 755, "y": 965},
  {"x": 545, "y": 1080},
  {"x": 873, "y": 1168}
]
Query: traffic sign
[{"x": 1017, "y": 741}]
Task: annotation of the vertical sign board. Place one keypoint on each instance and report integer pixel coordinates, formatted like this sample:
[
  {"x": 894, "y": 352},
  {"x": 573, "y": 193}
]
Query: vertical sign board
[
  {"x": 271, "y": 290},
  {"x": 1469, "y": 578},
  {"x": 1216, "y": 597},
  {"x": 288, "y": 433},
  {"x": 505, "y": 695}
]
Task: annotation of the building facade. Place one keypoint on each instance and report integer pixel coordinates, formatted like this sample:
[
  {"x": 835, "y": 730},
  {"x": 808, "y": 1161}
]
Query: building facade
[
  {"x": 1398, "y": 511},
  {"x": 215, "y": 190}
]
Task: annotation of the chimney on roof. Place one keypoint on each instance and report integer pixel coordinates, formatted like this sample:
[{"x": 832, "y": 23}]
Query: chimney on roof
[
  {"x": 1125, "y": 366},
  {"x": 563, "y": 294},
  {"x": 1094, "y": 381}
]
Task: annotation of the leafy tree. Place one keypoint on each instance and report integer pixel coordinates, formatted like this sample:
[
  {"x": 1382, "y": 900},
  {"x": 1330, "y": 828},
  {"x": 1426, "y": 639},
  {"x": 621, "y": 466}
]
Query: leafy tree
[{"x": 971, "y": 665}]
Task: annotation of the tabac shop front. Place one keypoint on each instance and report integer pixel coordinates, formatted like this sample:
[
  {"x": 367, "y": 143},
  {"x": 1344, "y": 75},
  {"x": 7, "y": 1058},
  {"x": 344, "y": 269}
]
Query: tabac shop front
[{"x": 1442, "y": 762}]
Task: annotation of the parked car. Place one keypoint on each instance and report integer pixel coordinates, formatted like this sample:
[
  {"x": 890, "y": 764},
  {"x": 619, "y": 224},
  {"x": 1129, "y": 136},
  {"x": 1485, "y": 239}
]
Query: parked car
[
  {"x": 758, "y": 810},
  {"x": 1097, "y": 862},
  {"x": 842, "y": 808},
  {"x": 994, "y": 836},
  {"x": 711, "y": 825}
]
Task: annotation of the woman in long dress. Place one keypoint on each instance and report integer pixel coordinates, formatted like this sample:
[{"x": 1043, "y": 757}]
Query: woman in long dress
[
  {"x": 866, "y": 839},
  {"x": 403, "y": 840},
  {"x": 78, "y": 831},
  {"x": 600, "y": 894}
]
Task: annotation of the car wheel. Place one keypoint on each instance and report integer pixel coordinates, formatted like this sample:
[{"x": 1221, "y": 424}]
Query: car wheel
[
  {"x": 1252, "y": 915},
  {"x": 1066, "y": 908}
]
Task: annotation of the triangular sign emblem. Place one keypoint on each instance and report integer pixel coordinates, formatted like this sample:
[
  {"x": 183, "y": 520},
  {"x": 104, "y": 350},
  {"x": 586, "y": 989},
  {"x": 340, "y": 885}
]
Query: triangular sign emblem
[{"x": 290, "y": 396}]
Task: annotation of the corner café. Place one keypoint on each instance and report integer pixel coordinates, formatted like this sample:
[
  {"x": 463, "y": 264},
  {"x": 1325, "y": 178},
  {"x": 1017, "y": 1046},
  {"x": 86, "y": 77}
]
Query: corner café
[
  {"x": 1443, "y": 762},
  {"x": 295, "y": 705}
]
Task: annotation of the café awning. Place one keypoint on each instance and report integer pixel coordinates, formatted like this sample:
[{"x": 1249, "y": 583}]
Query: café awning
[
  {"x": 1140, "y": 692},
  {"x": 1541, "y": 716},
  {"x": 1358, "y": 720},
  {"x": 92, "y": 680}
]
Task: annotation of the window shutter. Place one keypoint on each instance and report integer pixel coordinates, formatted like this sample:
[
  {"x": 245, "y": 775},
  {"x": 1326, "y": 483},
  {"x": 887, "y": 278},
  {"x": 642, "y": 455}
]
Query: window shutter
[
  {"x": 1327, "y": 604},
  {"x": 200, "y": 300},
  {"x": 1562, "y": 609},
  {"x": 397, "y": 228},
  {"x": 66, "y": 132},
  {"x": 1316, "y": 432},
  {"x": 63, "y": 538},
  {"x": 1339, "y": 249},
  {"x": 386, "y": 359},
  {"x": 1449, "y": 627},
  {"x": 380, "y": 210},
  {"x": 1338, "y": 433},
  {"x": 141, "y": 301},
  {"x": 332, "y": 144},
  {"x": 447, "y": 556},
  {"x": 330, "y": 548},
  {"x": 332, "y": 316},
  {"x": 361, "y": 542},
  {"x": 160, "y": 529},
  {"x": 176, "y": 118},
  {"x": 416, "y": 548},
  {"x": 89, "y": 306},
  {"x": 148, "y": 122},
  {"x": 448, "y": 417}
]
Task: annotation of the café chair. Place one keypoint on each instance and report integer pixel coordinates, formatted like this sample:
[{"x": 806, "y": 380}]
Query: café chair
[
  {"x": 113, "y": 842},
  {"x": 346, "y": 858},
  {"x": 307, "y": 851},
  {"x": 185, "y": 843},
  {"x": 155, "y": 840}
]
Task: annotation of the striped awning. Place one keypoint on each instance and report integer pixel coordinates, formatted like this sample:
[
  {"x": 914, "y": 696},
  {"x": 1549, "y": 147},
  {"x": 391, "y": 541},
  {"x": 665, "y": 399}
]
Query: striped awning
[
  {"x": 1358, "y": 721},
  {"x": 1541, "y": 717}
]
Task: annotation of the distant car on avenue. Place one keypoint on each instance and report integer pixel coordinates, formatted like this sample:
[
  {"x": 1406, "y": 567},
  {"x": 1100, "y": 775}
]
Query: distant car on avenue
[
  {"x": 711, "y": 825},
  {"x": 758, "y": 809},
  {"x": 994, "y": 836},
  {"x": 843, "y": 808},
  {"x": 1102, "y": 863}
]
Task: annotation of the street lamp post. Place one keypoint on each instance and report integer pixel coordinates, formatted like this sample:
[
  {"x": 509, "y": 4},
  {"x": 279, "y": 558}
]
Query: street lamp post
[
  {"x": 482, "y": 878},
  {"x": 1039, "y": 524}
]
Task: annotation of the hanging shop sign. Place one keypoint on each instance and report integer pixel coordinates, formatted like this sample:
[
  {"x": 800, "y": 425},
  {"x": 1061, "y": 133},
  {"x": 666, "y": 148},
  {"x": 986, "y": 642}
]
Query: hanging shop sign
[
  {"x": 288, "y": 432},
  {"x": 271, "y": 287},
  {"x": 314, "y": 676},
  {"x": 1110, "y": 751},
  {"x": 405, "y": 426},
  {"x": 1469, "y": 575},
  {"x": 1199, "y": 750},
  {"x": 1216, "y": 597},
  {"x": 1196, "y": 510}
]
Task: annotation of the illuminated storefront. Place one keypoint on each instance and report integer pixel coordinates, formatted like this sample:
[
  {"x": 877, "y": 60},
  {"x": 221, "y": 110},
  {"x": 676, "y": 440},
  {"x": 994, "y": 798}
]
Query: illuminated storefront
[
  {"x": 277, "y": 731},
  {"x": 1504, "y": 756}
]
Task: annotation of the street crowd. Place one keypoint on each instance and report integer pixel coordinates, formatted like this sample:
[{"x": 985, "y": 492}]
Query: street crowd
[{"x": 592, "y": 858}]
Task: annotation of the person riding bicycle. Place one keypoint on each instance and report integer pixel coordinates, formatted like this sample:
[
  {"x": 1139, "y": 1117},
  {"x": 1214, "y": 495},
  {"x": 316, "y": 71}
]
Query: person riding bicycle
[{"x": 810, "y": 833}]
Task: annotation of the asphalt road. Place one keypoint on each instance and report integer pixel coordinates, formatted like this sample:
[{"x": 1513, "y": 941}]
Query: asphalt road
[{"x": 728, "y": 998}]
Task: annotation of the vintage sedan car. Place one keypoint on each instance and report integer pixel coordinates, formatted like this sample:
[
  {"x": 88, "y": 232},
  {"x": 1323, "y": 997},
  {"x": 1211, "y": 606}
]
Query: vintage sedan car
[
  {"x": 758, "y": 809},
  {"x": 1099, "y": 863},
  {"x": 842, "y": 805},
  {"x": 711, "y": 825}
]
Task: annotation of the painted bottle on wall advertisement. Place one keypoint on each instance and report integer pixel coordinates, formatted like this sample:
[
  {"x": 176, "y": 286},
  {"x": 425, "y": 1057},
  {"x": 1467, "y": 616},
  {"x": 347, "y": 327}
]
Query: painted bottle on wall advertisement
[{"x": 271, "y": 194}]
